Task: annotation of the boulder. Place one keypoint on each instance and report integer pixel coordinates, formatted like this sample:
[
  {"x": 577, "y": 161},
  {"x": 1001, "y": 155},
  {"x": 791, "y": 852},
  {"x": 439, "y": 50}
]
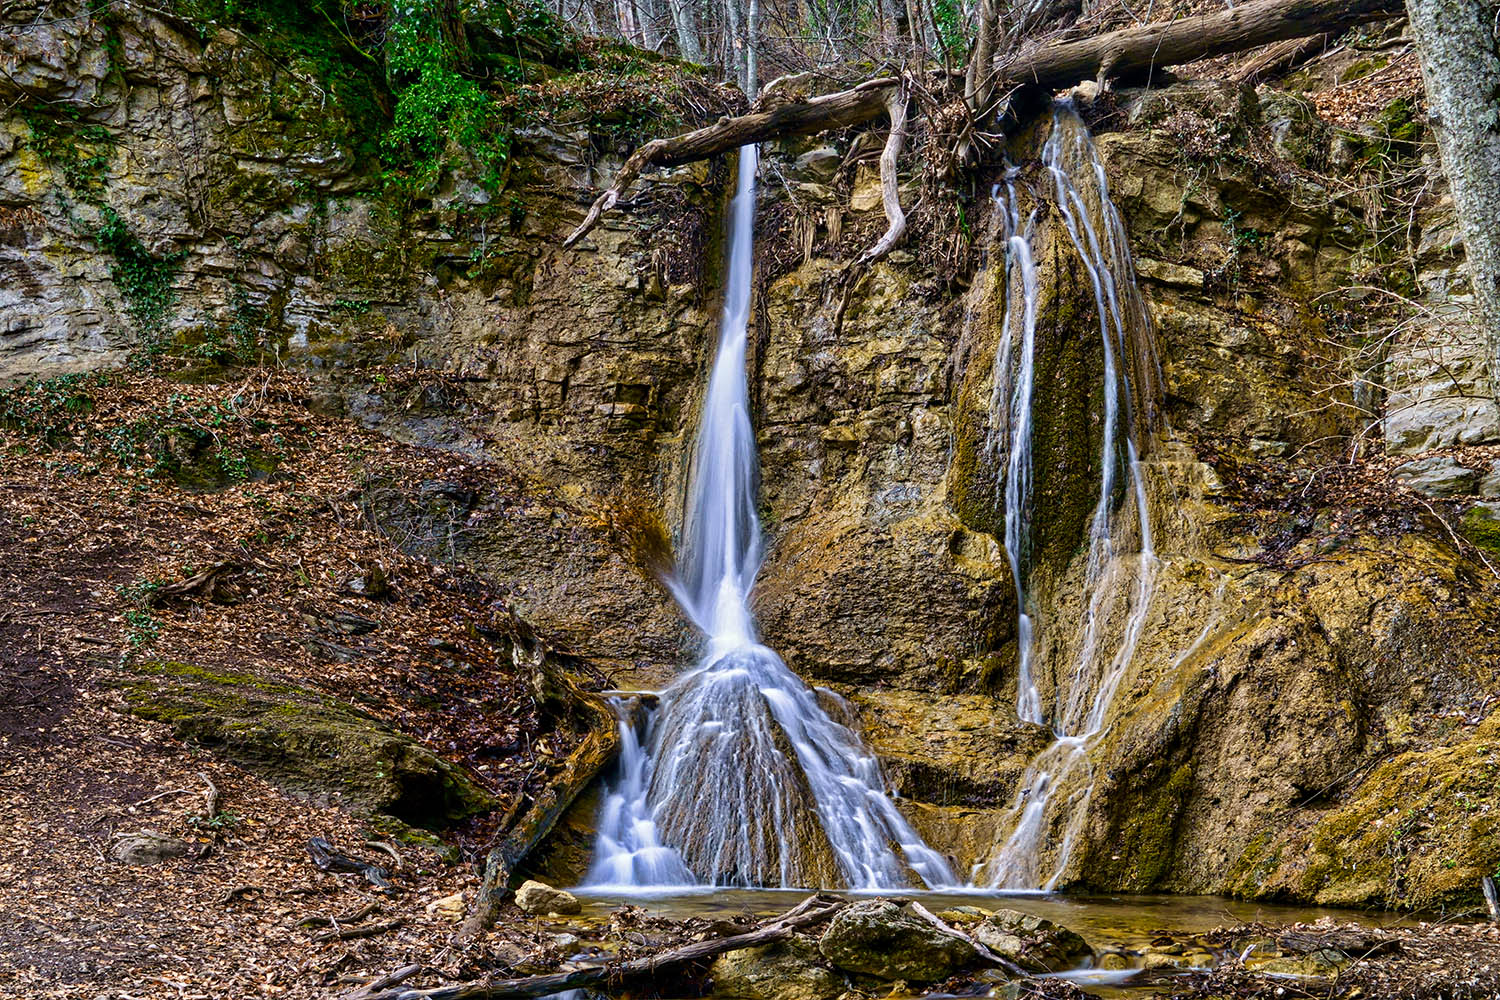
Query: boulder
[
  {"x": 1437, "y": 476},
  {"x": 538, "y": 897},
  {"x": 786, "y": 970},
  {"x": 880, "y": 938},
  {"x": 147, "y": 847},
  {"x": 1033, "y": 943}
]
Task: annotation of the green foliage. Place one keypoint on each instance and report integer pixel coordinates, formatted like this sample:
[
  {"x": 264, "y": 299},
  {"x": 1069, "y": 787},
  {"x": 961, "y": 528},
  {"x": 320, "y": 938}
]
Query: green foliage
[
  {"x": 79, "y": 151},
  {"x": 144, "y": 279},
  {"x": 952, "y": 27},
  {"x": 48, "y": 409}
]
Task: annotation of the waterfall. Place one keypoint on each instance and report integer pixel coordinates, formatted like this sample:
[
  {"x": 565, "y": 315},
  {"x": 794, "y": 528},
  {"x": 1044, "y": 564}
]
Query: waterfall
[
  {"x": 1010, "y": 433},
  {"x": 740, "y": 776},
  {"x": 1121, "y": 567}
]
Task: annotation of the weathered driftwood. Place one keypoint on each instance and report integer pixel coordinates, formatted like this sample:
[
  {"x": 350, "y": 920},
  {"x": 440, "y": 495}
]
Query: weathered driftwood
[
  {"x": 896, "y": 102},
  {"x": 533, "y": 817},
  {"x": 812, "y": 910},
  {"x": 1127, "y": 52},
  {"x": 984, "y": 951}
]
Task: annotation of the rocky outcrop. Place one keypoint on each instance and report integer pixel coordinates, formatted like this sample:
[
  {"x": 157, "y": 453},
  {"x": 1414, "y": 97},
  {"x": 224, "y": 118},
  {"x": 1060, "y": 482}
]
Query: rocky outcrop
[
  {"x": 1308, "y": 648},
  {"x": 303, "y": 741}
]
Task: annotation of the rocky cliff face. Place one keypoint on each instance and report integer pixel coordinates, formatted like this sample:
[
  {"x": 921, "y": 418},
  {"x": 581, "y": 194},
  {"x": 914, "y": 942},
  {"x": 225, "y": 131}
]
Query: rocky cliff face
[{"x": 1319, "y": 639}]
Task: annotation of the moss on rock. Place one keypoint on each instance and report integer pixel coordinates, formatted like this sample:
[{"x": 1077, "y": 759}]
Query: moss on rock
[{"x": 303, "y": 741}]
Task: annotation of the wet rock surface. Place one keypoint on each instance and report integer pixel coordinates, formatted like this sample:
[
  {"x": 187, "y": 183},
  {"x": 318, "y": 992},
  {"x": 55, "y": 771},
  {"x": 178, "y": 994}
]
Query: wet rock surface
[{"x": 879, "y": 938}]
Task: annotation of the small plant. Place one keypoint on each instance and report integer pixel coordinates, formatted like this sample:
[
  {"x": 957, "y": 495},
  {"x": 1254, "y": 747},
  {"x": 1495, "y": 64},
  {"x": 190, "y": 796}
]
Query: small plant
[
  {"x": 220, "y": 822},
  {"x": 144, "y": 279},
  {"x": 141, "y": 627}
]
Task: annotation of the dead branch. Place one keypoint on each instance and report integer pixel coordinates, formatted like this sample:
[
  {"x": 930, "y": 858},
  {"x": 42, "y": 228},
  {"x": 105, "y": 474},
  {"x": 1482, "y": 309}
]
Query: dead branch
[
  {"x": 386, "y": 981},
  {"x": 352, "y": 933},
  {"x": 1280, "y": 58},
  {"x": 896, "y": 101},
  {"x": 210, "y": 797},
  {"x": 813, "y": 910},
  {"x": 984, "y": 952},
  {"x": 328, "y": 858}
]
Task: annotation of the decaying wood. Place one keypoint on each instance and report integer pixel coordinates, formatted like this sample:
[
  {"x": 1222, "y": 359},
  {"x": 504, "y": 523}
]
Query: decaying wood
[
  {"x": 847, "y": 107},
  {"x": 531, "y": 818},
  {"x": 1491, "y": 898},
  {"x": 812, "y": 910},
  {"x": 897, "y": 100},
  {"x": 1280, "y": 58},
  {"x": 363, "y": 931},
  {"x": 386, "y": 981},
  {"x": 327, "y": 858},
  {"x": 1134, "y": 52}
]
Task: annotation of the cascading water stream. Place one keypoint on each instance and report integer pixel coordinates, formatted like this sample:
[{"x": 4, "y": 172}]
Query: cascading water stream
[
  {"x": 740, "y": 776},
  {"x": 1015, "y": 379},
  {"x": 1121, "y": 561}
]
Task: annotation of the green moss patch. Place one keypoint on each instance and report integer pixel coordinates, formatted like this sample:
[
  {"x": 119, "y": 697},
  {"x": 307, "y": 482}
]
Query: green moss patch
[{"x": 303, "y": 741}]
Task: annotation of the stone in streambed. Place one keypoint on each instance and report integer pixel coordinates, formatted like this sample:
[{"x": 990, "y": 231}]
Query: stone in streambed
[
  {"x": 879, "y": 938},
  {"x": 786, "y": 970},
  {"x": 538, "y": 897},
  {"x": 1033, "y": 943}
]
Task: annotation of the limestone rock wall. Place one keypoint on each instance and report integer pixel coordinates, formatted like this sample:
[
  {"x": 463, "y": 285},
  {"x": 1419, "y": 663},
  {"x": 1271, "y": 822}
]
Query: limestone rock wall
[{"x": 1305, "y": 650}]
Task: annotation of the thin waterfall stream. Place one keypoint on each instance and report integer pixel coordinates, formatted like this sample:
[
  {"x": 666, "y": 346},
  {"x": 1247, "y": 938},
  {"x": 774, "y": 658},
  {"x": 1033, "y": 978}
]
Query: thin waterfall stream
[
  {"x": 740, "y": 776},
  {"x": 1121, "y": 570}
]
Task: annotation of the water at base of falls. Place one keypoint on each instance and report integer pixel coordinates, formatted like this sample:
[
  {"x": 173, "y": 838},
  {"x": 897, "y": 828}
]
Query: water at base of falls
[
  {"x": 1120, "y": 577},
  {"x": 741, "y": 776}
]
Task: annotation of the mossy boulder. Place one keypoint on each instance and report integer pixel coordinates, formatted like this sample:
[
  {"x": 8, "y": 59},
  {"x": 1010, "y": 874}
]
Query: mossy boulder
[
  {"x": 883, "y": 939},
  {"x": 787, "y": 970},
  {"x": 304, "y": 742}
]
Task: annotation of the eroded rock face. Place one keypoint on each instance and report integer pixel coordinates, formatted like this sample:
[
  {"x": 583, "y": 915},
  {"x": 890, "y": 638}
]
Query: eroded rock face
[{"x": 1283, "y": 653}]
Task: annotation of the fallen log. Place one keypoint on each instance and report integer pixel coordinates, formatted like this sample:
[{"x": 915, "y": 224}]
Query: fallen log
[
  {"x": 812, "y": 910},
  {"x": 847, "y": 107},
  {"x": 533, "y": 816},
  {"x": 1054, "y": 66},
  {"x": 1133, "y": 52}
]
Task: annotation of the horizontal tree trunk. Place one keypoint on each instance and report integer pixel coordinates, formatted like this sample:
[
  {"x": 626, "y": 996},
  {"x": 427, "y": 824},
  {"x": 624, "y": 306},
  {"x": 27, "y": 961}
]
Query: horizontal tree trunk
[
  {"x": 847, "y": 107},
  {"x": 1134, "y": 51},
  {"x": 1054, "y": 66},
  {"x": 813, "y": 910}
]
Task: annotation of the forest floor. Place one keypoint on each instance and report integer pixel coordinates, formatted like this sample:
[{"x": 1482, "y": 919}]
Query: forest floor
[{"x": 115, "y": 489}]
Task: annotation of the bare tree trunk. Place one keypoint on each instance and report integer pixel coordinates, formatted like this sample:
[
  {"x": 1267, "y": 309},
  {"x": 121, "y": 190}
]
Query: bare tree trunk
[
  {"x": 647, "y": 14},
  {"x": 979, "y": 75},
  {"x": 685, "y": 21},
  {"x": 732, "y": 40},
  {"x": 1460, "y": 55},
  {"x": 751, "y": 84}
]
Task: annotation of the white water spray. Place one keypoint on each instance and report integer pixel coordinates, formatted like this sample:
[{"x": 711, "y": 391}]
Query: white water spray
[
  {"x": 1121, "y": 561},
  {"x": 741, "y": 777}
]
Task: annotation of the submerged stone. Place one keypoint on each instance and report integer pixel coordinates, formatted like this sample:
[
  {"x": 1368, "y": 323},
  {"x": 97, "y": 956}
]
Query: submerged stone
[{"x": 879, "y": 938}]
